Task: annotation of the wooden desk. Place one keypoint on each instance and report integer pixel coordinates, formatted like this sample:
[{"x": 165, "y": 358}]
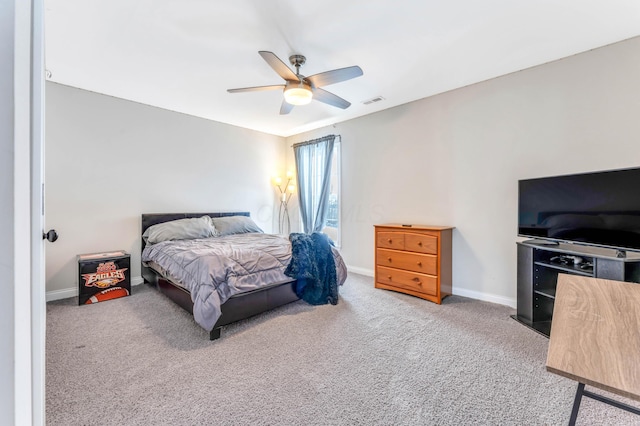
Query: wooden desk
[{"x": 595, "y": 337}]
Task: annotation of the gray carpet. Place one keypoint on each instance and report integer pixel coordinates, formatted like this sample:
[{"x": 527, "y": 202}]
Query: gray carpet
[{"x": 377, "y": 358}]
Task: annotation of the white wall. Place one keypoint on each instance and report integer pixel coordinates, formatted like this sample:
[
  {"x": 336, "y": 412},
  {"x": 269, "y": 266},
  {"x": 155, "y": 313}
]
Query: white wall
[
  {"x": 7, "y": 312},
  {"x": 451, "y": 159},
  {"x": 109, "y": 160},
  {"x": 455, "y": 158}
]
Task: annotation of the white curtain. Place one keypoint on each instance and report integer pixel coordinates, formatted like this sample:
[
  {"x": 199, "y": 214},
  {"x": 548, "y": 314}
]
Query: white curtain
[{"x": 313, "y": 167}]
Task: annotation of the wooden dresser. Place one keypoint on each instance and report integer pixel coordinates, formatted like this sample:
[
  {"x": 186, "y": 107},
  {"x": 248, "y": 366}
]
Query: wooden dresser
[{"x": 414, "y": 259}]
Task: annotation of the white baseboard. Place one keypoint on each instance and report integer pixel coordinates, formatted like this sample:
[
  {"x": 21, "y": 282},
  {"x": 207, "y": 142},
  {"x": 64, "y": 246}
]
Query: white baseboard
[
  {"x": 501, "y": 300},
  {"x": 73, "y": 292},
  {"x": 361, "y": 271},
  {"x": 457, "y": 291},
  {"x": 61, "y": 294}
]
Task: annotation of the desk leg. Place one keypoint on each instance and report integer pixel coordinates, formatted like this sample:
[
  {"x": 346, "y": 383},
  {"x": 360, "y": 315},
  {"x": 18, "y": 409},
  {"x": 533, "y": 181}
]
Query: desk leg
[
  {"x": 580, "y": 392},
  {"x": 610, "y": 401},
  {"x": 576, "y": 404}
]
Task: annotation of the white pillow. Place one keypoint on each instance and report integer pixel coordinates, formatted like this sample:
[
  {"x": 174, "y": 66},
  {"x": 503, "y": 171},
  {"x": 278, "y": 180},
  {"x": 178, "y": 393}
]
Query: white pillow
[
  {"x": 180, "y": 229},
  {"x": 228, "y": 225}
]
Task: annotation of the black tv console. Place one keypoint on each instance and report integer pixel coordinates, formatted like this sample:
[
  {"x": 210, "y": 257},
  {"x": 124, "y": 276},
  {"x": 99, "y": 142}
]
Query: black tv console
[{"x": 539, "y": 264}]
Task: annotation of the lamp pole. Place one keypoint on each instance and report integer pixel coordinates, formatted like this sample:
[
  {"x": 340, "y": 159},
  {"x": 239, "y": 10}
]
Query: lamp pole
[{"x": 283, "y": 210}]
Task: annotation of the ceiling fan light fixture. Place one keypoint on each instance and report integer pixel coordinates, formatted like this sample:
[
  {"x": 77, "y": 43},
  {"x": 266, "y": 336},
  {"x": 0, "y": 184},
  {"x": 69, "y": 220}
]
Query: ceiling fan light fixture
[
  {"x": 298, "y": 93},
  {"x": 300, "y": 90}
]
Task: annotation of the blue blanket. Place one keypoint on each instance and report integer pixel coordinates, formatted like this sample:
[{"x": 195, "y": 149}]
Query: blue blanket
[{"x": 312, "y": 264}]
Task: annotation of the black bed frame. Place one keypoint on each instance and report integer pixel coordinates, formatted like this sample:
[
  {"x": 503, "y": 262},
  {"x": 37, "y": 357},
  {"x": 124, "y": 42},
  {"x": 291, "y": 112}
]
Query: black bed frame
[{"x": 238, "y": 307}]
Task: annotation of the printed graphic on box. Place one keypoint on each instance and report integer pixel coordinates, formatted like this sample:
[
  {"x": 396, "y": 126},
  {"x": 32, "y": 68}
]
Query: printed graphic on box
[
  {"x": 106, "y": 275},
  {"x": 103, "y": 276},
  {"x": 108, "y": 294}
]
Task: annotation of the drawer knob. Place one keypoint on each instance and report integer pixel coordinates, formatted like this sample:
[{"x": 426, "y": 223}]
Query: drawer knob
[
  {"x": 389, "y": 277},
  {"x": 389, "y": 259},
  {"x": 390, "y": 240},
  {"x": 420, "y": 264},
  {"x": 420, "y": 243},
  {"x": 416, "y": 279}
]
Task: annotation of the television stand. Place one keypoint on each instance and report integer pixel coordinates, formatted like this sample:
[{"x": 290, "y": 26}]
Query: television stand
[
  {"x": 540, "y": 264},
  {"x": 547, "y": 243}
]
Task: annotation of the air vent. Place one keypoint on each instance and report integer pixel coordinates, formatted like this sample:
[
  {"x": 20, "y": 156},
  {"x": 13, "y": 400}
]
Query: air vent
[{"x": 373, "y": 100}]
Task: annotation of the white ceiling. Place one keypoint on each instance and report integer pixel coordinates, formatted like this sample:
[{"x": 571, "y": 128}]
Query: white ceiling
[{"x": 182, "y": 55}]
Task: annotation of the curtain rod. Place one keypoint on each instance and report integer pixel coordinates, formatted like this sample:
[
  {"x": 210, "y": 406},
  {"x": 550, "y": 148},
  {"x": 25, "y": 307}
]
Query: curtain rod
[{"x": 312, "y": 141}]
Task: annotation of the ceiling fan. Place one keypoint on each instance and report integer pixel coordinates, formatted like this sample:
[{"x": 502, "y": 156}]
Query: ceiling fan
[{"x": 300, "y": 90}]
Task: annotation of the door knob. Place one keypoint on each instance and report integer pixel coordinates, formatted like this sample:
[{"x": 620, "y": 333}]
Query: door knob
[{"x": 52, "y": 235}]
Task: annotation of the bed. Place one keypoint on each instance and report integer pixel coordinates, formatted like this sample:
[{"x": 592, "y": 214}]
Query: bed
[{"x": 259, "y": 291}]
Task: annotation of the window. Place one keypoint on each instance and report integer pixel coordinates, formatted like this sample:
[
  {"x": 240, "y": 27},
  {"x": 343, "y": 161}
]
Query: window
[
  {"x": 332, "y": 227},
  {"x": 318, "y": 176}
]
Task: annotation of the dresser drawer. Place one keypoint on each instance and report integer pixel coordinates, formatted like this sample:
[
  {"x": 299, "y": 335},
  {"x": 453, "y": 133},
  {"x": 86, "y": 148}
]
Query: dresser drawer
[
  {"x": 407, "y": 280},
  {"x": 424, "y": 263},
  {"x": 421, "y": 243},
  {"x": 394, "y": 240}
]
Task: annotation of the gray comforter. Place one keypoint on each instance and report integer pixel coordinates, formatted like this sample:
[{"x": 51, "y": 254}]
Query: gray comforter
[{"x": 214, "y": 269}]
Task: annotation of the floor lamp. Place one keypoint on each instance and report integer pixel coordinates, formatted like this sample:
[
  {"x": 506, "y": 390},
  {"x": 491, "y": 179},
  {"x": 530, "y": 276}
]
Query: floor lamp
[{"x": 285, "y": 193}]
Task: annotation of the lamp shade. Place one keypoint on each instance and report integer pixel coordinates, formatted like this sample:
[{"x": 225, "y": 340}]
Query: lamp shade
[{"x": 297, "y": 93}]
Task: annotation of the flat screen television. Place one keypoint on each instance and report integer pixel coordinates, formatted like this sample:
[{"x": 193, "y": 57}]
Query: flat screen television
[{"x": 600, "y": 208}]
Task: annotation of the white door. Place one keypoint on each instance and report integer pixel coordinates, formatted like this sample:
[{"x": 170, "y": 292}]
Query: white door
[
  {"x": 38, "y": 289},
  {"x": 29, "y": 293}
]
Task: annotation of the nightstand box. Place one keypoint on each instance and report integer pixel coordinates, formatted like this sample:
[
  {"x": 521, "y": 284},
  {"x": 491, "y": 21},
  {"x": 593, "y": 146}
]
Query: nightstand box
[{"x": 103, "y": 276}]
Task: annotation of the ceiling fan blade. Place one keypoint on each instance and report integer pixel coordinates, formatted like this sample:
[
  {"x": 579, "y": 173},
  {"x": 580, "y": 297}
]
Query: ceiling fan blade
[
  {"x": 278, "y": 66},
  {"x": 330, "y": 98},
  {"x": 335, "y": 76},
  {"x": 256, "y": 88},
  {"x": 285, "y": 108}
]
